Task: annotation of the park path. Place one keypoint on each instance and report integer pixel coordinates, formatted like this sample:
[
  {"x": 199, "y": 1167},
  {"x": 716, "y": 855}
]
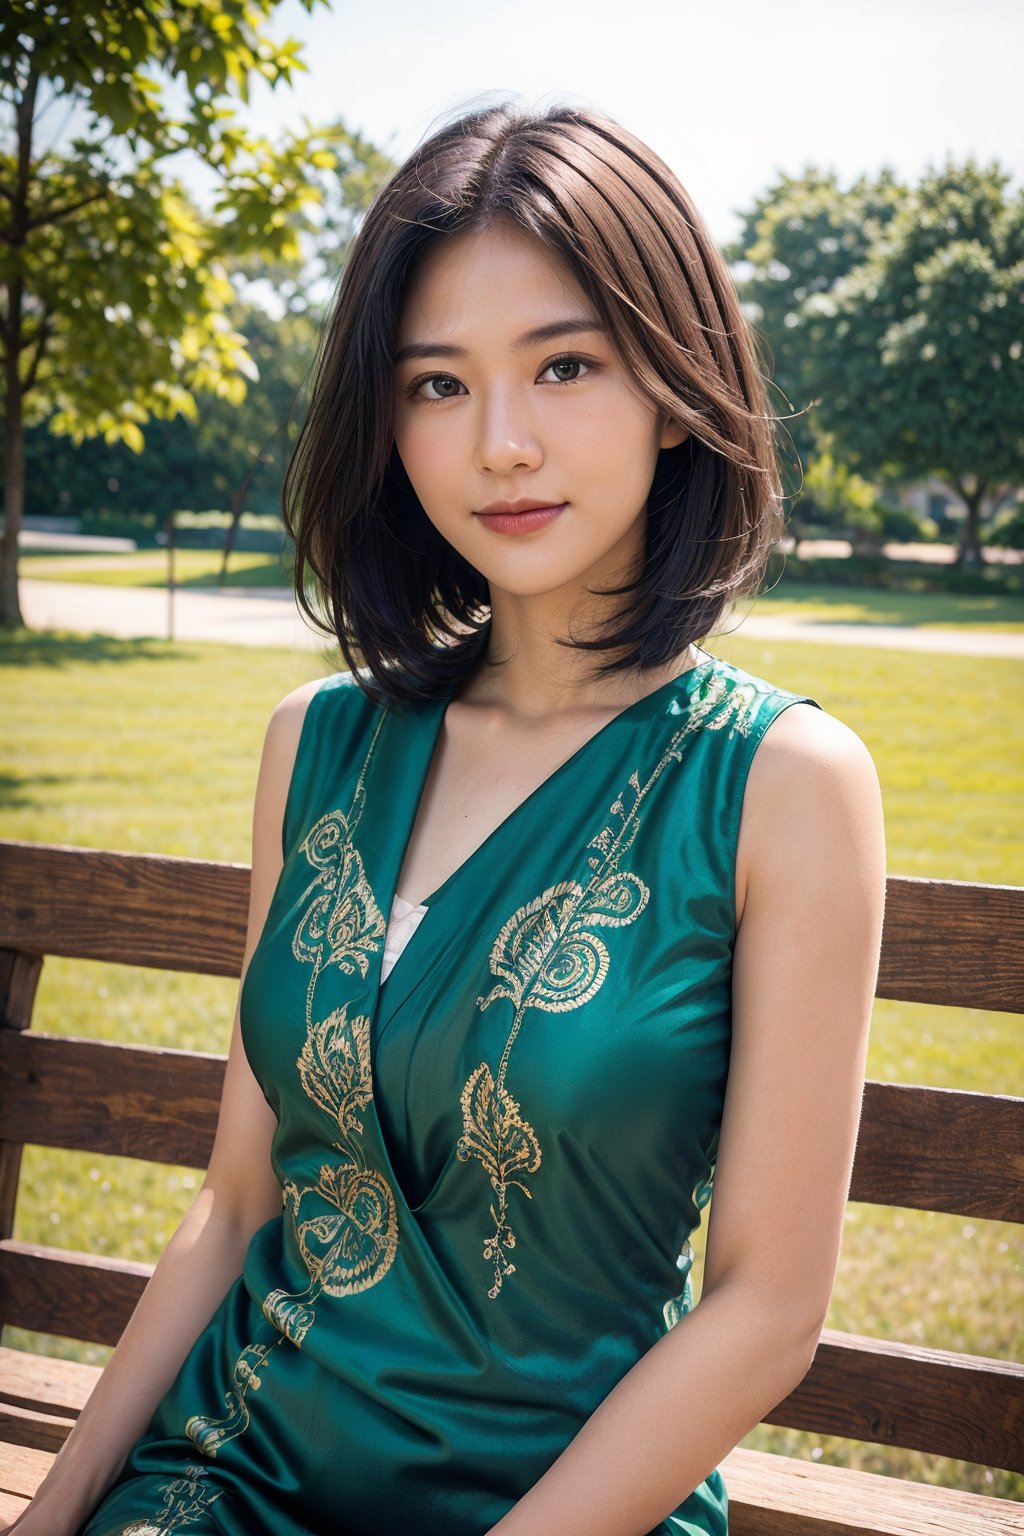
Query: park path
[{"x": 268, "y": 616}]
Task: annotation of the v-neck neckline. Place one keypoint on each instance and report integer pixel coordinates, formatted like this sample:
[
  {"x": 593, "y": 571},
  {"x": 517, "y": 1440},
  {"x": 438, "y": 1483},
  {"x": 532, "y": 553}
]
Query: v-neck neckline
[{"x": 685, "y": 681}]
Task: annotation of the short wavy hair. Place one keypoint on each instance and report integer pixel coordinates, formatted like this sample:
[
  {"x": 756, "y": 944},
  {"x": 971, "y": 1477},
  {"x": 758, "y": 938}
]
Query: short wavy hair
[{"x": 370, "y": 569}]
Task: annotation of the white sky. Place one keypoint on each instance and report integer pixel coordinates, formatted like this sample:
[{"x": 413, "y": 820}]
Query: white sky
[{"x": 729, "y": 92}]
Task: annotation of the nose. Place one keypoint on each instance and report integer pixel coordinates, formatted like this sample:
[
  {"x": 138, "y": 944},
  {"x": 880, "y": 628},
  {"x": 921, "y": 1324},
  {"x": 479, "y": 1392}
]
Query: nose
[{"x": 506, "y": 437}]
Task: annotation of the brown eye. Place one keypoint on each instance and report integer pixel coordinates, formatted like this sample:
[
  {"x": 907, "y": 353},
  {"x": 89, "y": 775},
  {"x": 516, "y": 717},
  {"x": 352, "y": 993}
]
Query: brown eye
[
  {"x": 441, "y": 381},
  {"x": 571, "y": 361}
]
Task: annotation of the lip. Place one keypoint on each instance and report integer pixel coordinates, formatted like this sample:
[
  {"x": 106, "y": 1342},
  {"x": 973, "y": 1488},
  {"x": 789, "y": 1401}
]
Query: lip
[
  {"x": 533, "y": 515},
  {"x": 524, "y": 504}
]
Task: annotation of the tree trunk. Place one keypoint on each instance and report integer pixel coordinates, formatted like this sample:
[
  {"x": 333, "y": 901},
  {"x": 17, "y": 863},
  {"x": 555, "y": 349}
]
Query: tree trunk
[
  {"x": 14, "y": 501},
  {"x": 14, "y": 430},
  {"x": 970, "y": 556}
]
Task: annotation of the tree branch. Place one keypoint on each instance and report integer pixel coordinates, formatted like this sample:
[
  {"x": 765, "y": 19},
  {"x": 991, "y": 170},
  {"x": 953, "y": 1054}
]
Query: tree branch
[
  {"x": 52, "y": 215},
  {"x": 41, "y": 338}
]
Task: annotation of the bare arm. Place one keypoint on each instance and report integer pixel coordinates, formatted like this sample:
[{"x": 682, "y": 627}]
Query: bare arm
[
  {"x": 812, "y": 883},
  {"x": 206, "y": 1253}
]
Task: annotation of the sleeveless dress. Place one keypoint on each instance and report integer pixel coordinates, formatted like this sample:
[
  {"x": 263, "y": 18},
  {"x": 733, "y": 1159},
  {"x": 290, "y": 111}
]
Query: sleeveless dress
[{"x": 492, "y": 1159}]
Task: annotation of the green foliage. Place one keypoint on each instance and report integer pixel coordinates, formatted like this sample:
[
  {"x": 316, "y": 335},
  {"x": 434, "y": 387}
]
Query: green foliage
[
  {"x": 896, "y": 317},
  {"x": 841, "y": 499},
  {"x": 121, "y": 299},
  {"x": 799, "y": 240},
  {"x": 923, "y": 341},
  {"x": 122, "y": 287},
  {"x": 1007, "y": 530}
]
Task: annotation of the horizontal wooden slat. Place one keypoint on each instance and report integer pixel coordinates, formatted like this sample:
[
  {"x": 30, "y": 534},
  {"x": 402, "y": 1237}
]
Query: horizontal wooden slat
[
  {"x": 769, "y": 1495},
  {"x": 11, "y": 1505},
  {"x": 890, "y": 1393},
  {"x": 22, "y": 1469},
  {"x": 132, "y": 908},
  {"x": 127, "y": 1100},
  {"x": 76, "y": 1295},
  {"x": 953, "y": 942},
  {"x": 44, "y": 1383},
  {"x": 925, "y": 1148},
  {"x": 941, "y": 1149},
  {"x": 773, "y": 1495},
  {"x": 27, "y": 1426},
  {"x": 944, "y": 941},
  {"x": 902, "y": 1394}
]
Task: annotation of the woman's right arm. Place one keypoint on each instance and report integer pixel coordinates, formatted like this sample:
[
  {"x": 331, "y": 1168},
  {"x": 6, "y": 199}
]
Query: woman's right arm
[{"x": 205, "y": 1255}]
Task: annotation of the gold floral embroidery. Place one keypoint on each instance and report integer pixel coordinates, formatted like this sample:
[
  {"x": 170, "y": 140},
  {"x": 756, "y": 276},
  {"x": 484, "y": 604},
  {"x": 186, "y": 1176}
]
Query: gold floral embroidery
[
  {"x": 548, "y": 955},
  {"x": 185, "y": 1499},
  {"x": 351, "y": 1244},
  {"x": 342, "y": 924},
  {"x": 345, "y": 1224},
  {"x": 496, "y": 1134}
]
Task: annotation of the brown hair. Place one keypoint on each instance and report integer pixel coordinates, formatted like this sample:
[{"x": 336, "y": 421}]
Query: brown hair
[{"x": 386, "y": 584}]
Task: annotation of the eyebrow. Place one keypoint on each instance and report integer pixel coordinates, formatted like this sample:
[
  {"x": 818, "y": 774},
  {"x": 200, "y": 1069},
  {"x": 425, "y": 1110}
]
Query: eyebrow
[{"x": 569, "y": 327}]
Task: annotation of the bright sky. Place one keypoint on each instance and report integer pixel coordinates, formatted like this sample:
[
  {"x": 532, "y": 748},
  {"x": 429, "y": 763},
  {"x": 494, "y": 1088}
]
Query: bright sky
[{"x": 729, "y": 92}]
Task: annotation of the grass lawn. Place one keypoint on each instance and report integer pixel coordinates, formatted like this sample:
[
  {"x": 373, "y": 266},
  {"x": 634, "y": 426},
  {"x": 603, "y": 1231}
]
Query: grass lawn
[
  {"x": 195, "y": 568},
  {"x": 867, "y": 605},
  {"x": 153, "y": 746}
]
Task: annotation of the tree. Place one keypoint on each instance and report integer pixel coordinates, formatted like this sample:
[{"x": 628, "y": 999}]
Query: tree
[
  {"x": 908, "y": 333},
  {"x": 114, "y": 289},
  {"x": 922, "y": 343},
  {"x": 798, "y": 240}
]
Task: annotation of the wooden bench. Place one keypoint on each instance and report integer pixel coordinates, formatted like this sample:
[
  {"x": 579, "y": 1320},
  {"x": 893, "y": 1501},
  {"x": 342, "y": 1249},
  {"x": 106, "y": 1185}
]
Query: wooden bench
[{"x": 926, "y": 1148}]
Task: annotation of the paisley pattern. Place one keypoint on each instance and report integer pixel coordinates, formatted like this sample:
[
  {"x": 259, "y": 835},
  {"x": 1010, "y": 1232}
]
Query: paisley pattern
[
  {"x": 345, "y": 1223},
  {"x": 349, "y": 1241},
  {"x": 549, "y": 955},
  {"x": 342, "y": 924}
]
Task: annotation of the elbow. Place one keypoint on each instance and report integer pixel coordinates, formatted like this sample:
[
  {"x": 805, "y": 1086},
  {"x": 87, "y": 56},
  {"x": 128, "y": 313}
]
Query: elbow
[
  {"x": 782, "y": 1332},
  {"x": 803, "y": 1346}
]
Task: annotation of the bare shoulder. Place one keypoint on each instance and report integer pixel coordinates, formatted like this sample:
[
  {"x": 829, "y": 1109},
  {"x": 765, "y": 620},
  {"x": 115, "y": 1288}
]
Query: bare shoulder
[
  {"x": 804, "y": 742},
  {"x": 812, "y": 793},
  {"x": 285, "y": 724},
  {"x": 280, "y": 747},
  {"x": 290, "y": 711}
]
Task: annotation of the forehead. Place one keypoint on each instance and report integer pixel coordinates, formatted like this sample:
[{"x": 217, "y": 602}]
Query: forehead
[{"x": 493, "y": 278}]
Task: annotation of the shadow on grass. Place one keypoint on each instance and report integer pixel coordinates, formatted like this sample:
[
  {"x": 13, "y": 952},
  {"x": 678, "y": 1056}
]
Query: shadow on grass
[
  {"x": 60, "y": 648},
  {"x": 20, "y": 793},
  {"x": 246, "y": 576}
]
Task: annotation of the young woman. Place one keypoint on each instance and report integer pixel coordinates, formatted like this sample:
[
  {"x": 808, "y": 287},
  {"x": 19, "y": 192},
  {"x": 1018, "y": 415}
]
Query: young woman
[{"x": 555, "y": 916}]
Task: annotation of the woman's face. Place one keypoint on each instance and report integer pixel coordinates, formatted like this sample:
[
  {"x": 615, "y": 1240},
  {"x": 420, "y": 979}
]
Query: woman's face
[{"x": 487, "y": 412}]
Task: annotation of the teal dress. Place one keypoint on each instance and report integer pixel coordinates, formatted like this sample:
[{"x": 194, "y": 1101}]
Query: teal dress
[{"x": 492, "y": 1163}]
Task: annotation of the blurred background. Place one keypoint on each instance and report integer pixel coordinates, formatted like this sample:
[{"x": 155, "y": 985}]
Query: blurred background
[{"x": 178, "y": 188}]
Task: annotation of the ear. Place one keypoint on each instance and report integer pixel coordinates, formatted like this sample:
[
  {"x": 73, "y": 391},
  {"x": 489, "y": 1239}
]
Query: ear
[{"x": 672, "y": 434}]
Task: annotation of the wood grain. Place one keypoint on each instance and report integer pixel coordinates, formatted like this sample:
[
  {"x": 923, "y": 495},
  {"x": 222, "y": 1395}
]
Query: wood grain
[
  {"x": 773, "y": 1495},
  {"x": 132, "y": 908},
  {"x": 76, "y": 1295},
  {"x": 930, "y": 1400}
]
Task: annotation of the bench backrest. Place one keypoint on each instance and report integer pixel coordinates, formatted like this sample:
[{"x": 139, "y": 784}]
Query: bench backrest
[{"x": 946, "y": 942}]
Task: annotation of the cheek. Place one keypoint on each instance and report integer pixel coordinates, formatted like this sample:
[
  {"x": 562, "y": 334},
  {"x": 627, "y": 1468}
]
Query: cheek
[
  {"x": 429, "y": 456},
  {"x": 617, "y": 448}
]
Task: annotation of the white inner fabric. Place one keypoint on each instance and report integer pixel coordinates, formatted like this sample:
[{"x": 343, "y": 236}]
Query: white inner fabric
[{"x": 405, "y": 919}]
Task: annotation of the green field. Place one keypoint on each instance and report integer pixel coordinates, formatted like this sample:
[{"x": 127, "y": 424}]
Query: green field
[
  {"x": 866, "y": 605},
  {"x": 152, "y": 746},
  {"x": 193, "y": 568}
]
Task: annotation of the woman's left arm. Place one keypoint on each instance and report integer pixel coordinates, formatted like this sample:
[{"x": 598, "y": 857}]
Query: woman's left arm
[{"x": 811, "y": 887}]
